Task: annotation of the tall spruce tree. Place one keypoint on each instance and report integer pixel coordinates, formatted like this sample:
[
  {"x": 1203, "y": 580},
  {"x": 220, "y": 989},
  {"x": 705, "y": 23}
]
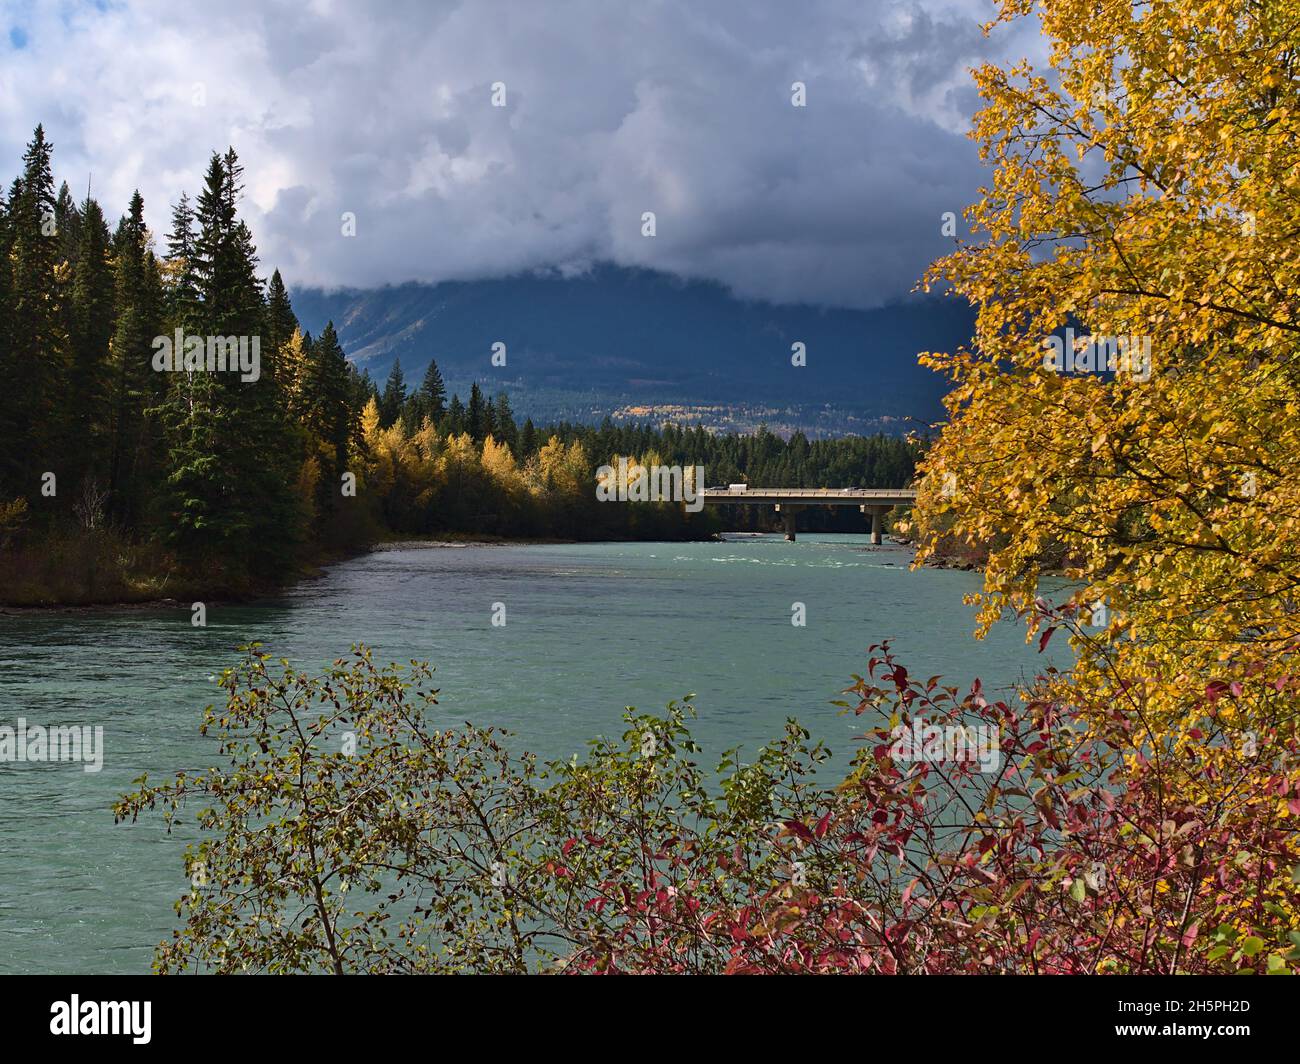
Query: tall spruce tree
[
  {"x": 281, "y": 324},
  {"x": 9, "y": 443},
  {"x": 133, "y": 387},
  {"x": 182, "y": 283},
  {"x": 433, "y": 394},
  {"x": 92, "y": 319},
  {"x": 325, "y": 387},
  {"x": 36, "y": 374},
  {"x": 455, "y": 416},
  {"x": 503, "y": 423},
  {"x": 394, "y": 396},
  {"x": 330, "y": 416},
  {"x": 67, "y": 222},
  {"x": 477, "y": 417},
  {"x": 527, "y": 440}
]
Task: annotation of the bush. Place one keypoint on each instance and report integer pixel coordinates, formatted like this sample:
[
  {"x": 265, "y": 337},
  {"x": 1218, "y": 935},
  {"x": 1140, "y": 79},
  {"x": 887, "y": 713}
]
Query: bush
[{"x": 349, "y": 834}]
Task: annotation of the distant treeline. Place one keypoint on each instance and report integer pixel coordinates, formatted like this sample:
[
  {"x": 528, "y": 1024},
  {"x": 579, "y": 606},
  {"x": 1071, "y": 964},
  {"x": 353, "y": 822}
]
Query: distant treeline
[
  {"x": 762, "y": 458},
  {"x": 167, "y": 427},
  {"x": 434, "y": 466}
]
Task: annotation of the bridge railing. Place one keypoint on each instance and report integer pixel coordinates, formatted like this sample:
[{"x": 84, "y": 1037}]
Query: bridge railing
[{"x": 814, "y": 493}]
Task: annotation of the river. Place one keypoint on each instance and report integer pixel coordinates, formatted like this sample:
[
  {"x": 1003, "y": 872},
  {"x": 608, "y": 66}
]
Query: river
[{"x": 589, "y": 629}]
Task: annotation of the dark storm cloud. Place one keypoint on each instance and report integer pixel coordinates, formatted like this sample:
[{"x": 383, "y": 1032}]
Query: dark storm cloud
[{"x": 385, "y": 111}]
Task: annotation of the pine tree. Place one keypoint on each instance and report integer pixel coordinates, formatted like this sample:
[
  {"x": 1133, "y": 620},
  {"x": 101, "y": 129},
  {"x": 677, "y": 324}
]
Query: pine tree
[
  {"x": 433, "y": 394},
  {"x": 9, "y": 443},
  {"x": 67, "y": 222},
  {"x": 394, "y": 396},
  {"x": 503, "y": 423},
  {"x": 527, "y": 440},
  {"x": 476, "y": 415},
  {"x": 330, "y": 415},
  {"x": 363, "y": 389},
  {"x": 92, "y": 318},
  {"x": 36, "y": 373},
  {"x": 182, "y": 282},
  {"x": 455, "y": 417},
  {"x": 281, "y": 324},
  {"x": 328, "y": 402},
  {"x": 133, "y": 387},
  {"x": 225, "y": 260}
]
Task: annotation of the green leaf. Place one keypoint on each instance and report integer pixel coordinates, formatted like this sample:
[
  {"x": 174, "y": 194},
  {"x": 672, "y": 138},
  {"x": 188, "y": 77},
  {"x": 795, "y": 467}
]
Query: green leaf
[
  {"x": 1079, "y": 891},
  {"x": 1252, "y": 945}
]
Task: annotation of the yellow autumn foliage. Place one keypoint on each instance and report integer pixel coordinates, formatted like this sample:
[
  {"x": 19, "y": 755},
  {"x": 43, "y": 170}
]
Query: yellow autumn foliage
[
  {"x": 1146, "y": 187},
  {"x": 1145, "y": 194}
]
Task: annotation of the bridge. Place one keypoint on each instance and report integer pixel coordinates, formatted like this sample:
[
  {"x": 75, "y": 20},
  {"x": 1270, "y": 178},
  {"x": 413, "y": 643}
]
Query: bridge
[{"x": 789, "y": 501}]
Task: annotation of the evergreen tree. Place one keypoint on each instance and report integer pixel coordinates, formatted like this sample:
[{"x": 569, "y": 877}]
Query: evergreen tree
[
  {"x": 363, "y": 389},
  {"x": 503, "y": 423},
  {"x": 328, "y": 402},
  {"x": 9, "y": 442},
  {"x": 6, "y": 287},
  {"x": 527, "y": 440},
  {"x": 281, "y": 324},
  {"x": 182, "y": 283},
  {"x": 394, "y": 396},
  {"x": 455, "y": 417},
  {"x": 35, "y": 375},
  {"x": 67, "y": 221},
  {"x": 133, "y": 387},
  {"x": 433, "y": 394},
  {"x": 477, "y": 422},
  {"x": 330, "y": 416},
  {"x": 92, "y": 319}
]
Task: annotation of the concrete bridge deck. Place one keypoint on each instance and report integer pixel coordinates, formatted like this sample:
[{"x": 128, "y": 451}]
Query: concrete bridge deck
[{"x": 789, "y": 501}]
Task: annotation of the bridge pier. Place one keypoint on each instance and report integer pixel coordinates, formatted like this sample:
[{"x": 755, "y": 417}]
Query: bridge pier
[
  {"x": 787, "y": 513},
  {"x": 877, "y": 512}
]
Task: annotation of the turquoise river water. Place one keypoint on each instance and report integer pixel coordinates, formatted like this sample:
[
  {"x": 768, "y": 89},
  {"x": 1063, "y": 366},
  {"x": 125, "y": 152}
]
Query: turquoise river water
[{"x": 590, "y": 629}]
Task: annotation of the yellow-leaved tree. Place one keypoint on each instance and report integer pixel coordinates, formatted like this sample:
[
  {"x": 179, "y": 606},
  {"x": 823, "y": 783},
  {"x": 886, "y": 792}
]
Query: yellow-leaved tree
[
  {"x": 1145, "y": 196},
  {"x": 1129, "y": 411}
]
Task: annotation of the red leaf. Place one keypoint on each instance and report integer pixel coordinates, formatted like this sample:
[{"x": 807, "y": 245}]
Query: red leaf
[{"x": 907, "y": 894}]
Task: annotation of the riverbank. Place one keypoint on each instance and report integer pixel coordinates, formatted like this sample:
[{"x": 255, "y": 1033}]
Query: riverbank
[
  {"x": 101, "y": 572},
  {"x": 102, "y": 569}
]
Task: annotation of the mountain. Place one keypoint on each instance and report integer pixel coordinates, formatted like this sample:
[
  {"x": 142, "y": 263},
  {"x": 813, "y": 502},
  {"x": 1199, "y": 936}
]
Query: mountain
[{"x": 641, "y": 345}]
